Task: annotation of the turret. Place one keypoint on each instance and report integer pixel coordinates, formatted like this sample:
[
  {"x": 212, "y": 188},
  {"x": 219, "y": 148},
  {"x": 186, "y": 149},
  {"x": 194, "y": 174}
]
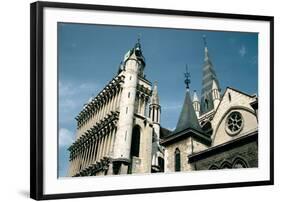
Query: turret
[
  {"x": 133, "y": 65},
  {"x": 154, "y": 107},
  {"x": 196, "y": 104},
  {"x": 154, "y": 114},
  {"x": 215, "y": 94}
]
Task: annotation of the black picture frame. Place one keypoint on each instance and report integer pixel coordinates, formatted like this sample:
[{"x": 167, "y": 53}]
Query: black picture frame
[{"x": 36, "y": 98}]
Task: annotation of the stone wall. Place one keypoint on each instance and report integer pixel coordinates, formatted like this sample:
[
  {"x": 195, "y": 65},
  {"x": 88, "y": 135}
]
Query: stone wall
[
  {"x": 142, "y": 164},
  {"x": 186, "y": 146},
  {"x": 233, "y": 101},
  {"x": 247, "y": 152}
]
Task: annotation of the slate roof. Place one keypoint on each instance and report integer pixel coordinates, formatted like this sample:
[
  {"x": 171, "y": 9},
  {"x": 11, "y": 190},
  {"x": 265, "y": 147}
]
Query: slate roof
[
  {"x": 187, "y": 125},
  {"x": 188, "y": 118},
  {"x": 164, "y": 132}
]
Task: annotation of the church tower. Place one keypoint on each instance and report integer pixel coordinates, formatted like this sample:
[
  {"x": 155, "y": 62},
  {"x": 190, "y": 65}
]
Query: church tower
[
  {"x": 133, "y": 65},
  {"x": 209, "y": 77}
]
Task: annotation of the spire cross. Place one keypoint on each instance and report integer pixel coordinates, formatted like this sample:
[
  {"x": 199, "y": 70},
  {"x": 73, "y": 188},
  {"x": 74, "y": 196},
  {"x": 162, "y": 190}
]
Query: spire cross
[{"x": 187, "y": 77}]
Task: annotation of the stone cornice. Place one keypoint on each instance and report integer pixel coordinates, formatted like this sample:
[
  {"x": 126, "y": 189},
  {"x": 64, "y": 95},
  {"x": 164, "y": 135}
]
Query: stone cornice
[
  {"x": 102, "y": 97},
  {"x": 253, "y": 136},
  {"x": 94, "y": 133},
  {"x": 92, "y": 169}
]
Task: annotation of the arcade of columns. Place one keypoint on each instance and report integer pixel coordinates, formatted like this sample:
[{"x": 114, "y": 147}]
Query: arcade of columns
[{"x": 97, "y": 126}]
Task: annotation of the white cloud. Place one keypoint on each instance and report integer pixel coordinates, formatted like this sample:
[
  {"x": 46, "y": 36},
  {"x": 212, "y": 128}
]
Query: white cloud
[
  {"x": 70, "y": 89},
  {"x": 242, "y": 51},
  {"x": 171, "y": 106},
  {"x": 71, "y": 94},
  {"x": 65, "y": 137}
]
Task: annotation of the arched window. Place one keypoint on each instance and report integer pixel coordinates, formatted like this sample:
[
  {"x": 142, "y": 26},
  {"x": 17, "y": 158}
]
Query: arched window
[
  {"x": 135, "y": 145},
  {"x": 206, "y": 104},
  {"x": 161, "y": 164},
  {"x": 226, "y": 165},
  {"x": 177, "y": 160},
  {"x": 213, "y": 167},
  {"x": 239, "y": 163}
]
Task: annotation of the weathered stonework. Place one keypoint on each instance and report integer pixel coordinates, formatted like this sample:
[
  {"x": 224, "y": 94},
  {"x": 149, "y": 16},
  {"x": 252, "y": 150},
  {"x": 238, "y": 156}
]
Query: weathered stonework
[
  {"x": 119, "y": 131},
  {"x": 248, "y": 153}
]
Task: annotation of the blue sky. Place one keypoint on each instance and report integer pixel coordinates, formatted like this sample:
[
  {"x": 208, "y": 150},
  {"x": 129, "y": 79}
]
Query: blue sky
[{"x": 89, "y": 57}]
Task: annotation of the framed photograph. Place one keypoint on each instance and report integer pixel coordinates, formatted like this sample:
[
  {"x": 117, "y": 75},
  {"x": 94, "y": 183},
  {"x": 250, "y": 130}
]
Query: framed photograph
[{"x": 138, "y": 100}]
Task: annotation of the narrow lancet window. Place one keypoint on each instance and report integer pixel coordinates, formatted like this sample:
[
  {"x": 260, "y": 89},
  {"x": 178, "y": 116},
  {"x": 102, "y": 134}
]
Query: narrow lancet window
[{"x": 177, "y": 160}]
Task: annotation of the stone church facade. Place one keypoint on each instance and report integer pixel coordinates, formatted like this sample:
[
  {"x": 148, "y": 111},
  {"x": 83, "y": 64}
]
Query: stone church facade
[{"x": 119, "y": 131}]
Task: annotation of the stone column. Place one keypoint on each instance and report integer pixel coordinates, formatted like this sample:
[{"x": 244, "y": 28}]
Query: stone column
[
  {"x": 103, "y": 107},
  {"x": 108, "y": 141},
  {"x": 143, "y": 105},
  {"x": 111, "y": 148},
  {"x": 99, "y": 110},
  {"x": 83, "y": 156},
  {"x": 77, "y": 159},
  {"x": 99, "y": 147},
  {"x": 89, "y": 152},
  {"x": 111, "y": 100},
  {"x": 102, "y": 145},
  {"x": 139, "y": 103},
  {"x": 96, "y": 149},
  {"x": 92, "y": 151}
]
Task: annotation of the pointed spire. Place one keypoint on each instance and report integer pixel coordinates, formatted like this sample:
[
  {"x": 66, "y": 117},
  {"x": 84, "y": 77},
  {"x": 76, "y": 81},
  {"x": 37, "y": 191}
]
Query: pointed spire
[
  {"x": 155, "y": 97},
  {"x": 195, "y": 97},
  {"x": 188, "y": 118},
  {"x": 206, "y": 58},
  {"x": 215, "y": 94},
  {"x": 196, "y": 104},
  {"x": 214, "y": 85},
  {"x": 209, "y": 75}
]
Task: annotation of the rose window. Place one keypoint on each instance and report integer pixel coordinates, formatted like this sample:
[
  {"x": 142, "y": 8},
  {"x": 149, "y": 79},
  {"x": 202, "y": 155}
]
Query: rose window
[{"x": 234, "y": 123}]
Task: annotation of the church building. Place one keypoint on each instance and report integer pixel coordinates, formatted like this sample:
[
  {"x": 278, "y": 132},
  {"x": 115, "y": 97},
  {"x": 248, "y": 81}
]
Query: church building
[{"x": 119, "y": 130}]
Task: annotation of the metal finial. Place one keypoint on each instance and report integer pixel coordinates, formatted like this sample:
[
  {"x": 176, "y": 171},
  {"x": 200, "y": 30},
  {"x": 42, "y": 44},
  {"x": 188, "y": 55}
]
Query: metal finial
[
  {"x": 187, "y": 77},
  {"x": 155, "y": 83},
  {"x": 204, "y": 40}
]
